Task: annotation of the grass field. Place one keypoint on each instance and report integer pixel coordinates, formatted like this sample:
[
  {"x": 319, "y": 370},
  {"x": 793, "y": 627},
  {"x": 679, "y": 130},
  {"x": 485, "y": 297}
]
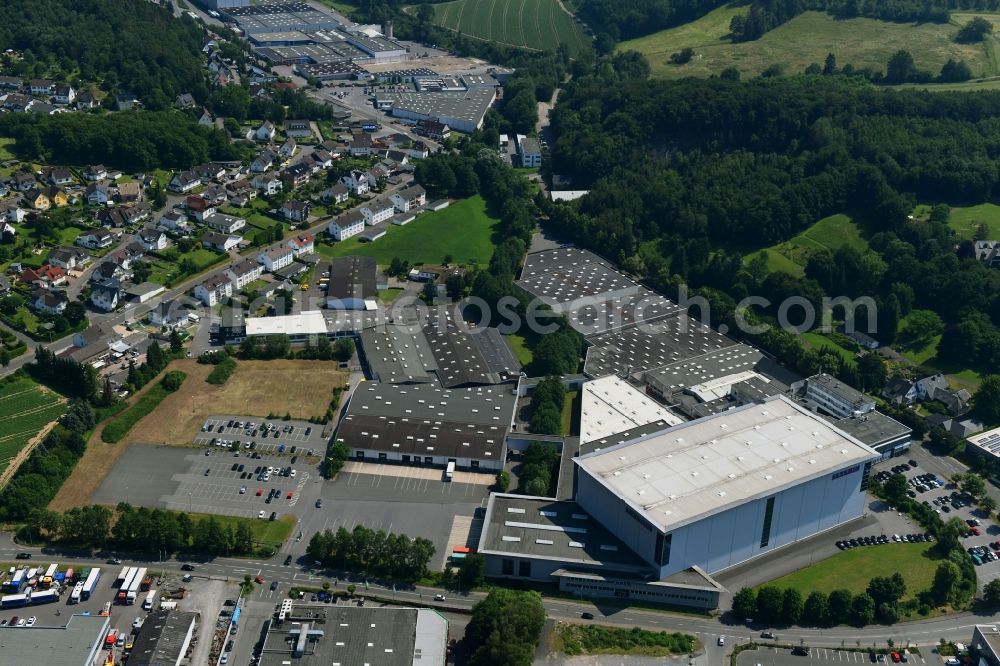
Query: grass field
[
  {"x": 818, "y": 341},
  {"x": 521, "y": 347},
  {"x": 27, "y": 408},
  {"x": 830, "y": 233},
  {"x": 536, "y": 24},
  {"x": 806, "y": 39},
  {"x": 967, "y": 219},
  {"x": 257, "y": 388},
  {"x": 272, "y": 533},
  {"x": 852, "y": 569},
  {"x": 464, "y": 230},
  {"x": 5, "y": 148}
]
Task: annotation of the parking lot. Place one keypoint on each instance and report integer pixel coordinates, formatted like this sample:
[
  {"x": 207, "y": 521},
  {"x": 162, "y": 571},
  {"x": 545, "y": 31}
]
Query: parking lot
[
  {"x": 773, "y": 656},
  {"x": 982, "y": 535},
  {"x": 271, "y": 436},
  {"x": 205, "y": 481}
]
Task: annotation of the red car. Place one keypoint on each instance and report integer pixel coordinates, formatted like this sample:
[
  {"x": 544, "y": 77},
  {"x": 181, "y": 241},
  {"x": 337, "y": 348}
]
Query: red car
[
  {"x": 259, "y": 492},
  {"x": 289, "y": 496},
  {"x": 259, "y": 579},
  {"x": 975, "y": 530},
  {"x": 895, "y": 657}
]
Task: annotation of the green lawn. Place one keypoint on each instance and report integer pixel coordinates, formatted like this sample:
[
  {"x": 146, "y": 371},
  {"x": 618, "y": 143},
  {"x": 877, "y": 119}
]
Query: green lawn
[
  {"x": 26, "y": 409},
  {"x": 819, "y": 341},
  {"x": 567, "y": 412},
  {"x": 521, "y": 348},
  {"x": 852, "y": 569},
  {"x": 5, "y": 148},
  {"x": 965, "y": 220},
  {"x": 807, "y": 39},
  {"x": 830, "y": 233},
  {"x": 265, "y": 532},
  {"x": 536, "y": 24},
  {"x": 463, "y": 230},
  {"x": 389, "y": 296}
]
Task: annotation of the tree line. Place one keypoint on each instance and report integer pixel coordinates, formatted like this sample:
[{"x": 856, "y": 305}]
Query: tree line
[
  {"x": 131, "y": 141},
  {"x": 138, "y": 529},
  {"x": 138, "y": 48},
  {"x": 546, "y": 407},
  {"x": 372, "y": 553}
]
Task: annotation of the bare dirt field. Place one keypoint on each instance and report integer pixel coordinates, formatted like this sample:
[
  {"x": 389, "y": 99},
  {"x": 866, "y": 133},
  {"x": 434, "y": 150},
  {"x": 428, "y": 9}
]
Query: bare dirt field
[{"x": 256, "y": 388}]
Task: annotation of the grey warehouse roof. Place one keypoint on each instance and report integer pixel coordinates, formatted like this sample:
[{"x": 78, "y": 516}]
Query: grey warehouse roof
[
  {"x": 468, "y": 105},
  {"x": 398, "y": 354},
  {"x": 53, "y": 646},
  {"x": 703, "y": 467},
  {"x": 737, "y": 358},
  {"x": 162, "y": 638}
]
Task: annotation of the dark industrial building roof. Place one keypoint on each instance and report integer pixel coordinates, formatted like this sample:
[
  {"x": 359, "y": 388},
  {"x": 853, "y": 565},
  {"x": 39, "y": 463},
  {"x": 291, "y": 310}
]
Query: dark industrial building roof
[
  {"x": 352, "y": 278},
  {"x": 621, "y": 311},
  {"x": 74, "y": 644},
  {"x": 696, "y": 370},
  {"x": 559, "y": 530},
  {"x": 163, "y": 638},
  {"x": 873, "y": 428},
  {"x": 651, "y": 345},
  {"x": 398, "y": 354}
]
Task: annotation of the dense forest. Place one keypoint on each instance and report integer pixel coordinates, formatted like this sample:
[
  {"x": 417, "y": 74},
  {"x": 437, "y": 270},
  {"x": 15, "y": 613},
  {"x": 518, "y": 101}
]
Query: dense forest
[
  {"x": 688, "y": 177},
  {"x": 131, "y": 141},
  {"x": 135, "y": 47}
]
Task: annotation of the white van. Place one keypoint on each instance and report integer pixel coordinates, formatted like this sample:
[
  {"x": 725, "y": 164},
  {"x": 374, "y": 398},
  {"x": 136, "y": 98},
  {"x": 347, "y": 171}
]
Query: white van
[{"x": 449, "y": 473}]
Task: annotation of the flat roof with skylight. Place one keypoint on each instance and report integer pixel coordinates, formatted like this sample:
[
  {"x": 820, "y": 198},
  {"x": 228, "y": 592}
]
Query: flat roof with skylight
[
  {"x": 610, "y": 405},
  {"x": 703, "y": 467}
]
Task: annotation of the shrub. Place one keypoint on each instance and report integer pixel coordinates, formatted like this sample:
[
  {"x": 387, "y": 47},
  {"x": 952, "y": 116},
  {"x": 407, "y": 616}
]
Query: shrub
[{"x": 222, "y": 371}]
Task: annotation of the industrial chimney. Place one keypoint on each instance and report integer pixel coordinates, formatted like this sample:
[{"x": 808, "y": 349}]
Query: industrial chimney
[{"x": 387, "y": 29}]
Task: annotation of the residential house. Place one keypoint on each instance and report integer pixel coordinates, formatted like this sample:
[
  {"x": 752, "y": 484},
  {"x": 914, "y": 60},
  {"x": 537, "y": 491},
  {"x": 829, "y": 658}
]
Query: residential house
[
  {"x": 129, "y": 192},
  {"x": 298, "y": 128},
  {"x": 24, "y": 182},
  {"x": 295, "y": 211},
  {"x": 988, "y": 252},
  {"x": 214, "y": 290},
  {"x": 11, "y": 211},
  {"x": 377, "y": 210},
  {"x": 58, "y": 176},
  {"x": 198, "y": 208},
  {"x": 46, "y": 276},
  {"x": 67, "y": 258},
  {"x": 275, "y": 258},
  {"x": 65, "y": 94},
  {"x": 265, "y": 132},
  {"x": 37, "y": 199},
  {"x": 928, "y": 385},
  {"x": 397, "y": 157},
  {"x": 126, "y": 101},
  {"x": 900, "y": 391},
  {"x": 432, "y": 129},
  {"x": 322, "y": 159},
  {"x": 49, "y": 302},
  {"x": 267, "y": 184},
  {"x": 43, "y": 108},
  {"x": 8, "y": 233},
  {"x": 169, "y": 314},
  {"x": 124, "y": 216},
  {"x": 17, "y": 102},
  {"x": 302, "y": 244},
  {"x": 96, "y": 239},
  {"x": 184, "y": 101},
  {"x": 244, "y": 272},
  {"x": 108, "y": 270},
  {"x": 361, "y": 145},
  {"x": 357, "y": 182},
  {"x": 216, "y": 195},
  {"x": 4, "y": 285},
  {"x": 336, "y": 194},
  {"x": 57, "y": 196},
  {"x": 42, "y": 87},
  {"x": 151, "y": 239},
  {"x": 211, "y": 171},
  {"x": 184, "y": 181},
  {"x": 104, "y": 295},
  {"x": 295, "y": 176},
  {"x": 173, "y": 220},
  {"x": 206, "y": 118},
  {"x": 347, "y": 225},
  {"x": 241, "y": 193},
  {"x": 4, "y": 189},
  {"x": 97, "y": 194},
  {"x": 224, "y": 224},
  {"x": 288, "y": 148},
  {"x": 123, "y": 257},
  {"x": 263, "y": 161},
  {"x": 219, "y": 242},
  {"x": 418, "y": 150},
  {"x": 86, "y": 100},
  {"x": 11, "y": 82},
  {"x": 95, "y": 172},
  {"x": 409, "y": 198}
]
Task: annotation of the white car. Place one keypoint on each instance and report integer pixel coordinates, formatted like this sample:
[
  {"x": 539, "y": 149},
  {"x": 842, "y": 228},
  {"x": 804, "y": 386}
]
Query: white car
[
  {"x": 31, "y": 621},
  {"x": 270, "y": 470},
  {"x": 260, "y": 514},
  {"x": 722, "y": 640},
  {"x": 243, "y": 490},
  {"x": 21, "y": 622},
  {"x": 136, "y": 623},
  {"x": 293, "y": 474},
  {"x": 439, "y": 597}
]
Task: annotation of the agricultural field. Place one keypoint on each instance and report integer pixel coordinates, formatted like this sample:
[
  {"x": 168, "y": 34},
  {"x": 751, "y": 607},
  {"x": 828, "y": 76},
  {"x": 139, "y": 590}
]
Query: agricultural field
[
  {"x": 830, "y": 233},
  {"x": 27, "y": 408},
  {"x": 807, "y": 39},
  {"x": 464, "y": 230},
  {"x": 535, "y": 24}
]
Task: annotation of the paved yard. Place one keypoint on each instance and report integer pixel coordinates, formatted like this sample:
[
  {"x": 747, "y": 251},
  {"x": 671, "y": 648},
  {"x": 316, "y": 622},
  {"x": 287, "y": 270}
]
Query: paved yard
[{"x": 783, "y": 656}]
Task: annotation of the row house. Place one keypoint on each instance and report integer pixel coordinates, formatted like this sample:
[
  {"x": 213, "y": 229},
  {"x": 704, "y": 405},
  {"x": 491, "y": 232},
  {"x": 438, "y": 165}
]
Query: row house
[
  {"x": 275, "y": 258},
  {"x": 244, "y": 272},
  {"x": 347, "y": 225},
  {"x": 214, "y": 290},
  {"x": 377, "y": 211}
]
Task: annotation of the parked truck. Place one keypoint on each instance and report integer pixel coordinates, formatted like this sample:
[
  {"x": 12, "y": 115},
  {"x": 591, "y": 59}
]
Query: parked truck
[
  {"x": 43, "y": 597},
  {"x": 90, "y": 584},
  {"x": 133, "y": 589},
  {"x": 147, "y": 604}
]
